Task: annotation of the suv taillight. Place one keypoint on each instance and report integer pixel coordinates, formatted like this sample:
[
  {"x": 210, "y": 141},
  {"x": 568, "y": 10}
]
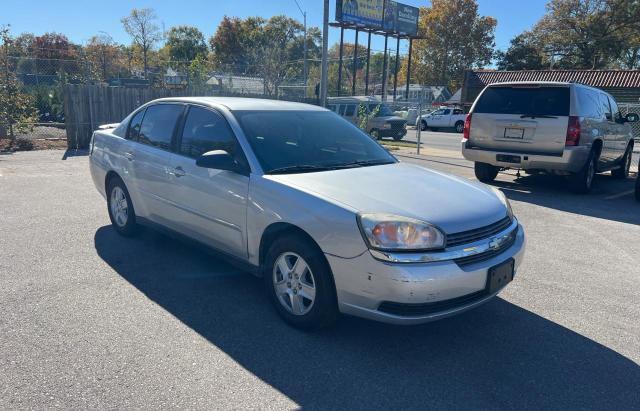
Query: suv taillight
[
  {"x": 573, "y": 131},
  {"x": 467, "y": 127}
]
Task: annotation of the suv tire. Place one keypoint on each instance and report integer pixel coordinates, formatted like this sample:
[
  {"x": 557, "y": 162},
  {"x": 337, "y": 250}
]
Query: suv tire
[
  {"x": 582, "y": 181},
  {"x": 625, "y": 164},
  {"x": 323, "y": 309},
  {"x": 486, "y": 173}
]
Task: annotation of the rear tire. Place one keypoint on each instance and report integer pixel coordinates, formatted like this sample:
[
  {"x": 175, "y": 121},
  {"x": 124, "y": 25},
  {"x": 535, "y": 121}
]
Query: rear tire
[
  {"x": 375, "y": 134},
  {"x": 398, "y": 138},
  {"x": 319, "y": 312},
  {"x": 459, "y": 126},
  {"x": 423, "y": 125},
  {"x": 486, "y": 173},
  {"x": 623, "y": 171},
  {"x": 582, "y": 181},
  {"x": 120, "y": 208}
]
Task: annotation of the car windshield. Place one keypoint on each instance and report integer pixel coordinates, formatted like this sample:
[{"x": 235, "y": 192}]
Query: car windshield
[
  {"x": 524, "y": 100},
  {"x": 305, "y": 141}
]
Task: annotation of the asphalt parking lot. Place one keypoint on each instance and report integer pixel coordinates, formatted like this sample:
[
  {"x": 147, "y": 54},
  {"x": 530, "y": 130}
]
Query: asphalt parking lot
[{"x": 90, "y": 319}]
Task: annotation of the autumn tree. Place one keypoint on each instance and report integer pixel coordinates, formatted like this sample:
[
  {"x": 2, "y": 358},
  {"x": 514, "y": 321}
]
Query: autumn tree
[
  {"x": 456, "y": 38},
  {"x": 102, "y": 52},
  {"x": 17, "y": 112},
  {"x": 145, "y": 33}
]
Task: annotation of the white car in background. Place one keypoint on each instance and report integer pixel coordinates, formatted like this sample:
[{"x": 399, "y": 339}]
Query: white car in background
[{"x": 445, "y": 117}]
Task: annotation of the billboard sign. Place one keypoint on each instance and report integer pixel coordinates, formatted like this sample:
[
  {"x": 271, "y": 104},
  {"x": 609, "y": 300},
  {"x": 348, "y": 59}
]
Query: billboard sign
[
  {"x": 400, "y": 18},
  {"x": 366, "y": 13}
]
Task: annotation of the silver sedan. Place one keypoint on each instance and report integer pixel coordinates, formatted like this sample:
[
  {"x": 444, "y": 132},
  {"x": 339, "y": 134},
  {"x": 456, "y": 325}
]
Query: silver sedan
[{"x": 303, "y": 198}]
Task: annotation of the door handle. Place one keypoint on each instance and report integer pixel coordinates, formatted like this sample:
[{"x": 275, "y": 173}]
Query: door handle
[
  {"x": 177, "y": 172},
  {"x": 129, "y": 155}
]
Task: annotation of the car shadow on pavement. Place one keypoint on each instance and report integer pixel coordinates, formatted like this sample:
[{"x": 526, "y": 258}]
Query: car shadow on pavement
[
  {"x": 609, "y": 199},
  {"x": 497, "y": 356}
]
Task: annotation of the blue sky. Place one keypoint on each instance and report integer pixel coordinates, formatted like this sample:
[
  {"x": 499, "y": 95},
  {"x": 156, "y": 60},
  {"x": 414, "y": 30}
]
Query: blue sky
[{"x": 79, "y": 20}]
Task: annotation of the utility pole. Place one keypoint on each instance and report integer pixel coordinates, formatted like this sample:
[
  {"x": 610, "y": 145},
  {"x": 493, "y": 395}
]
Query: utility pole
[
  {"x": 305, "y": 69},
  {"x": 325, "y": 54}
]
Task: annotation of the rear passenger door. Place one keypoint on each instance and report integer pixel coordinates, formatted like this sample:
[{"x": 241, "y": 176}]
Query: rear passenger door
[
  {"x": 213, "y": 203},
  {"x": 619, "y": 132},
  {"x": 608, "y": 130},
  {"x": 153, "y": 158}
]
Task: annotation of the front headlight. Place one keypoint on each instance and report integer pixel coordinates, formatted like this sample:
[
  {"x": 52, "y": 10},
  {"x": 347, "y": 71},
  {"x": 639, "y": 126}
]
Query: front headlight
[
  {"x": 392, "y": 232},
  {"x": 504, "y": 201}
]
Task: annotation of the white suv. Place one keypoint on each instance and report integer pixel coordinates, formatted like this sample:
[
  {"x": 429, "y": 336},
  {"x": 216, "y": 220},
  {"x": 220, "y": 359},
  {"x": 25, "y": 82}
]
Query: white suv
[{"x": 563, "y": 128}]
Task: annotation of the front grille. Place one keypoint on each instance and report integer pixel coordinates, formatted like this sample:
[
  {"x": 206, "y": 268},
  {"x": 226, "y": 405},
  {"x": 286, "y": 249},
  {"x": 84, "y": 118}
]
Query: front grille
[
  {"x": 466, "y": 237},
  {"x": 397, "y": 125},
  {"x": 476, "y": 258},
  {"x": 416, "y": 310}
]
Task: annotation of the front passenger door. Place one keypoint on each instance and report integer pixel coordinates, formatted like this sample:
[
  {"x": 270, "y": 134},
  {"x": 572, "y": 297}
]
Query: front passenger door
[{"x": 214, "y": 202}]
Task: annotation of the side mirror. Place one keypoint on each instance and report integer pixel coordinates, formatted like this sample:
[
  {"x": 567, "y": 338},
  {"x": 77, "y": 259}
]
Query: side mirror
[
  {"x": 631, "y": 118},
  {"x": 219, "y": 160}
]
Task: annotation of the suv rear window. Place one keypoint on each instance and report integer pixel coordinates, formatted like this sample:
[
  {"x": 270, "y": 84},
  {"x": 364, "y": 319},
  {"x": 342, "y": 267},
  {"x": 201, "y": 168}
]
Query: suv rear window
[{"x": 548, "y": 101}]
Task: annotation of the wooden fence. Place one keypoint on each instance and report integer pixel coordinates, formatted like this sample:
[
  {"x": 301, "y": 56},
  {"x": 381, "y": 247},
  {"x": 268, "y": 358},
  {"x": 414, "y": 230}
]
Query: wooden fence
[{"x": 88, "y": 106}]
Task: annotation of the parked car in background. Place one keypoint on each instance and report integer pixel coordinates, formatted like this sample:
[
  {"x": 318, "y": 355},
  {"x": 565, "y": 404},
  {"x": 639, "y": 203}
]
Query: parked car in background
[
  {"x": 445, "y": 117},
  {"x": 563, "y": 128},
  {"x": 299, "y": 196},
  {"x": 383, "y": 124}
]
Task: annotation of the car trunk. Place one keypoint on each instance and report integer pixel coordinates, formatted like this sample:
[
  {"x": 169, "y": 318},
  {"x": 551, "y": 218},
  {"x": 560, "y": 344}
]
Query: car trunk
[{"x": 521, "y": 118}]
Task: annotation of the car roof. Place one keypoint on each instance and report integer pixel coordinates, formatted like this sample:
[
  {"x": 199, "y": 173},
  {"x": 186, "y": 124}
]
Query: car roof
[
  {"x": 544, "y": 83},
  {"x": 244, "y": 103},
  {"x": 353, "y": 99}
]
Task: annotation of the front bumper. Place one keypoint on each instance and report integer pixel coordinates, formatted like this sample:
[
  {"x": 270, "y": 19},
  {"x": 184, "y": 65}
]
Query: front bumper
[
  {"x": 374, "y": 289},
  {"x": 572, "y": 159},
  {"x": 393, "y": 132}
]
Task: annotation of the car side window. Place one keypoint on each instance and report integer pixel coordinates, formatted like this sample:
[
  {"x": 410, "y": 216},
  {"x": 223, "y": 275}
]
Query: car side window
[
  {"x": 457, "y": 111},
  {"x": 446, "y": 112},
  {"x": 589, "y": 104},
  {"x": 205, "y": 130},
  {"x": 342, "y": 108},
  {"x": 331, "y": 107},
  {"x": 351, "y": 109},
  {"x": 605, "y": 108},
  {"x": 134, "y": 126},
  {"x": 615, "y": 110},
  {"x": 159, "y": 124}
]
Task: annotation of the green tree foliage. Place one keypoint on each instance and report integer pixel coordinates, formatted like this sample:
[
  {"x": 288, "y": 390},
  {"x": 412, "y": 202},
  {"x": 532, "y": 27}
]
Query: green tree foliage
[
  {"x": 456, "y": 38},
  {"x": 271, "y": 49},
  {"x": 185, "y": 43},
  {"x": 590, "y": 34},
  {"x": 523, "y": 54},
  {"x": 17, "y": 111}
]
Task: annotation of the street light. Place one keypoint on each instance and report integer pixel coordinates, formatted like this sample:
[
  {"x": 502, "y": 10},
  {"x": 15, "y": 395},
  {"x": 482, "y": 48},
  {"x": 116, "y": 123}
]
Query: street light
[{"x": 304, "y": 15}]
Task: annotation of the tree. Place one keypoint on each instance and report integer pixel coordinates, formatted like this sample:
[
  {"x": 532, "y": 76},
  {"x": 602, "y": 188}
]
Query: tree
[
  {"x": 456, "y": 38},
  {"x": 141, "y": 26},
  {"x": 588, "y": 34},
  {"x": 271, "y": 49},
  {"x": 102, "y": 52},
  {"x": 523, "y": 54},
  {"x": 17, "y": 111},
  {"x": 185, "y": 43}
]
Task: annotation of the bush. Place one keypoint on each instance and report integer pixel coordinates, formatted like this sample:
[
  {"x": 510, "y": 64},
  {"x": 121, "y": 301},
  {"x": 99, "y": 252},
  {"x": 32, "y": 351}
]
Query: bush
[{"x": 23, "y": 144}]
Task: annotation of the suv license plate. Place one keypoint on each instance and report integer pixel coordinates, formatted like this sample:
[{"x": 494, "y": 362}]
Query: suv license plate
[
  {"x": 500, "y": 275},
  {"x": 506, "y": 158},
  {"x": 517, "y": 133}
]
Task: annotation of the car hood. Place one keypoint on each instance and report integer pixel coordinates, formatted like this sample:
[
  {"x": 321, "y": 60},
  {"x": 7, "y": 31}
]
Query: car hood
[{"x": 452, "y": 203}]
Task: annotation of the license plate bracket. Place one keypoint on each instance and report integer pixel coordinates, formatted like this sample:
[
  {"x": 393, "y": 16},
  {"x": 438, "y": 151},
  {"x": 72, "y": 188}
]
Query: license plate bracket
[
  {"x": 515, "y": 133},
  {"x": 500, "y": 275},
  {"x": 507, "y": 158}
]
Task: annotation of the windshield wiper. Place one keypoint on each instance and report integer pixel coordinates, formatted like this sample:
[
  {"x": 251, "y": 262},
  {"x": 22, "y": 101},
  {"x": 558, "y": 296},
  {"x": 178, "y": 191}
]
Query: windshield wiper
[
  {"x": 299, "y": 168},
  {"x": 537, "y": 116},
  {"x": 363, "y": 163}
]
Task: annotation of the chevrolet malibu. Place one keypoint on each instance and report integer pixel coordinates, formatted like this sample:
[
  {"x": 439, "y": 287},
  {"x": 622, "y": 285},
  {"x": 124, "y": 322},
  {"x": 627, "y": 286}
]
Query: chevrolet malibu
[{"x": 303, "y": 198}]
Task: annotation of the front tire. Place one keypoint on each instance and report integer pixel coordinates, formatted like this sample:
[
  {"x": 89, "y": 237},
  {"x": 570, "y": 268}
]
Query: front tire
[
  {"x": 582, "y": 181},
  {"x": 375, "y": 134},
  {"x": 623, "y": 171},
  {"x": 299, "y": 283},
  {"x": 486, "y": 173},
  {"x": 423, "y": 125},
  {"x": 120, "y": 208}
]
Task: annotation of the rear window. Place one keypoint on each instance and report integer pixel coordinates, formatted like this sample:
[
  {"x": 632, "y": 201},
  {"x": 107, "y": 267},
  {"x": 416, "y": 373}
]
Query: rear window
[{"x": 547, "y": 101}]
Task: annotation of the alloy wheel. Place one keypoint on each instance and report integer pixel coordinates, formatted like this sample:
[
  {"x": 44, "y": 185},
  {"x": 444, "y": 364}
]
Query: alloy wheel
[
  {"x": 119, "y": 206},
  {"x": 294, "y": 283}
]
